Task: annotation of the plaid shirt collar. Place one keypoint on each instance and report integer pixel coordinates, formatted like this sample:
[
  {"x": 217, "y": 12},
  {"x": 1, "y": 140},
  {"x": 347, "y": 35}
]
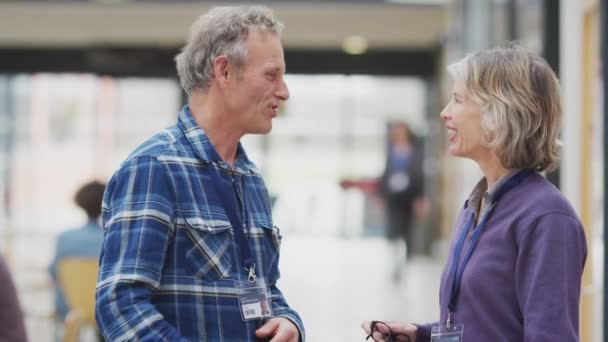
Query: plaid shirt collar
[{"x": 203, "y": 148}]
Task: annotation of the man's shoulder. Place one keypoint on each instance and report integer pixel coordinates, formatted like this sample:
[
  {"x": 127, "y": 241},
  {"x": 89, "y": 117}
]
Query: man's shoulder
[
  {"x": 79, "y": 232},
  {"x": 79, "y": 242},
  {"x": 168, "y": 143}
]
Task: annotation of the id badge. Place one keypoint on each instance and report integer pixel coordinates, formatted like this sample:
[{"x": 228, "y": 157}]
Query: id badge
[
  {"x": 444, "y": 334},
  {"x": 254, "y": 300},
  {"x": 398, "y": 182}
]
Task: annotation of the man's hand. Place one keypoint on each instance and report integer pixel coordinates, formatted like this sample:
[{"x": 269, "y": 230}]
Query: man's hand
[
  {"x": 401, "y": 331},
  {"x": 280, "y": 329}
]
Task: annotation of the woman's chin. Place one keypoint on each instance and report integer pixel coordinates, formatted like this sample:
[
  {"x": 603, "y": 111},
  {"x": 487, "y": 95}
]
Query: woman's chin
[{"x": 453, "y": 150}]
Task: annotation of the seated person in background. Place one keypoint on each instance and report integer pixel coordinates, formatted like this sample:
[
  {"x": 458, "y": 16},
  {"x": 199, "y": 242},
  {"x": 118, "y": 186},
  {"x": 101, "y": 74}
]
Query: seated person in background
[{"x": 80, "y": 242}]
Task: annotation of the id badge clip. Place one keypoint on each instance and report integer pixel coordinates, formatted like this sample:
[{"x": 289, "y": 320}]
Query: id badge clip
[
  {"x": 449, "y": 332},
  {"x": 254, "y": 300},
  {"x": 443, "y": 333}
]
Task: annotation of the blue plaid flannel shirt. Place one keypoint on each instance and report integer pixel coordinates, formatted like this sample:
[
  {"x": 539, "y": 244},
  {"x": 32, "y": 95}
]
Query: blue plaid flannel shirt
[{"x": 170, "y": 260}]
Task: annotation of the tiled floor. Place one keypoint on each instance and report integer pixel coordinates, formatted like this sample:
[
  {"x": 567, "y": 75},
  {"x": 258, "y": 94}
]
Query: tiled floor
[{"x": 336, "y": 284}]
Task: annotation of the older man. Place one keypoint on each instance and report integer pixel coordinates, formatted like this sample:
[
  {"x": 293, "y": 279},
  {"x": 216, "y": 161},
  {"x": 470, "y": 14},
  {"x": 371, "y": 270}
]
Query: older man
[{"x": 190, "y": 251}]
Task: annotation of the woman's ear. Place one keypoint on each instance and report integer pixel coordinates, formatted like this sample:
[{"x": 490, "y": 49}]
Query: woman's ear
[{"x": 489, "y": 131}]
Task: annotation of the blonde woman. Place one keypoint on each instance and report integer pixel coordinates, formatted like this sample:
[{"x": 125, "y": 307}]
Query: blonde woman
[{"x": 518, "y": 248}]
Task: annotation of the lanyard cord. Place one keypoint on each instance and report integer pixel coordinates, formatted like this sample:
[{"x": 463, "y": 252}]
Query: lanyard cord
[
  {"x": 455, "y": 273},
  {"x": 239, "y": 228}
]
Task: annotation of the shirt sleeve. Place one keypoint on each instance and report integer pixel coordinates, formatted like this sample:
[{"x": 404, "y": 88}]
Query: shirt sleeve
[
  {"x": 548, "y": 278},
  {"x": 137, "y": 211},
  {"x": 280, "y": 308},
  {"x": 59, "y": 255},
  {"x": 53, "y": 267},
  {"x": 423, "y": 331}
]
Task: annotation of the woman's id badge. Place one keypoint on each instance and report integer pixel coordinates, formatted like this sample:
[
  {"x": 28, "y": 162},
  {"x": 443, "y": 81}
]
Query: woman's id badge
[
  {"x": 254, "y": 300},
  {"x": 442, "y": 333}
]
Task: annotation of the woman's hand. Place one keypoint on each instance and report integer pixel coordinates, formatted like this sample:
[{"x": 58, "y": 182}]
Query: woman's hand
[{"x": 400, "y": 331}]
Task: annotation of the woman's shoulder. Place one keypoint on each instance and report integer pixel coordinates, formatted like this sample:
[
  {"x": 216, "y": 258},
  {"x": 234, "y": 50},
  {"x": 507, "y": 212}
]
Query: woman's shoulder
[
  {"x": 538, "y": 200},
  {"x": 541, "y": 195}
]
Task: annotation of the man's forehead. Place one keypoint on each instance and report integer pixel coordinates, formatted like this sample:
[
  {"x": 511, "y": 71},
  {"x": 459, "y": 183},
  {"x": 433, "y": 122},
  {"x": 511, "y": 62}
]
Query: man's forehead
[
  {"x": 266, "y": 54},
  {"x": 257, "y": 35}
]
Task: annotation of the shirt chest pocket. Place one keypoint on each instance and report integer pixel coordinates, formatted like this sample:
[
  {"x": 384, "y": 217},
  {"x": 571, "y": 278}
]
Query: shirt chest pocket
[
  {"x": 268, "y": 240},
  {"x": 209, "y": 246}
]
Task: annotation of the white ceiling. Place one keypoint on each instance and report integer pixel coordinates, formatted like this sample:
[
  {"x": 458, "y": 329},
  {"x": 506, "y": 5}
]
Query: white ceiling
[{"x": 307, "y": 26}]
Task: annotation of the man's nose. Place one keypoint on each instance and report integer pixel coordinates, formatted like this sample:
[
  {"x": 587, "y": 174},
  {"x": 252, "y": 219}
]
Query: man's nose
[{"x": 283, "y": 91}]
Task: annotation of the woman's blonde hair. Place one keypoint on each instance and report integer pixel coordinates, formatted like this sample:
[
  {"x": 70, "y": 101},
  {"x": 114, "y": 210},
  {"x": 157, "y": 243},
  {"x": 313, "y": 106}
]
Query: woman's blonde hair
[{"x": 521, "y": 109}]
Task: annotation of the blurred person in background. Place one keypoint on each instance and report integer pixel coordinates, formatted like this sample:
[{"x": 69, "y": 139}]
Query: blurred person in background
[
  {"x": 84, "y": 241},
  {"x": 190, "y": 252},
  {"x": 12, "y": 325},
  {"x": 401, "y": 186},
  {"x": 518, "y": 248}
]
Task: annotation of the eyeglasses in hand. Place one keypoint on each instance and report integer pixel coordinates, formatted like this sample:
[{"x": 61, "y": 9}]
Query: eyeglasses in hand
[{"x": 380, "y": 331}]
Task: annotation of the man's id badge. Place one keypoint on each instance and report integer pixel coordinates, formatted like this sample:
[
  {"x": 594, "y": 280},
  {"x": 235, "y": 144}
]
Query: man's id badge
[
  {"x": 444, "y": 334},
  {"x": 254, "y": 300}
]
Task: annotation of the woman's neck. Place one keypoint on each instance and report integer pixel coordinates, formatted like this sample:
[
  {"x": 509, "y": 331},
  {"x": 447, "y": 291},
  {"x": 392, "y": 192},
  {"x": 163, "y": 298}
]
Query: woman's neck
[{"x": 492, "y": 169}]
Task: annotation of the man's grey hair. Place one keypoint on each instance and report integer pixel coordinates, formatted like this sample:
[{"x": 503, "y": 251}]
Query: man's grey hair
[{"x": 221, "y": 31}]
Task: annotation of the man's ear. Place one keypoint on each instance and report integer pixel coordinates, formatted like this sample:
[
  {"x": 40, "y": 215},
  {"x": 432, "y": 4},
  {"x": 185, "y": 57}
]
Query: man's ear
[{"x": 221, "y": 70}]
